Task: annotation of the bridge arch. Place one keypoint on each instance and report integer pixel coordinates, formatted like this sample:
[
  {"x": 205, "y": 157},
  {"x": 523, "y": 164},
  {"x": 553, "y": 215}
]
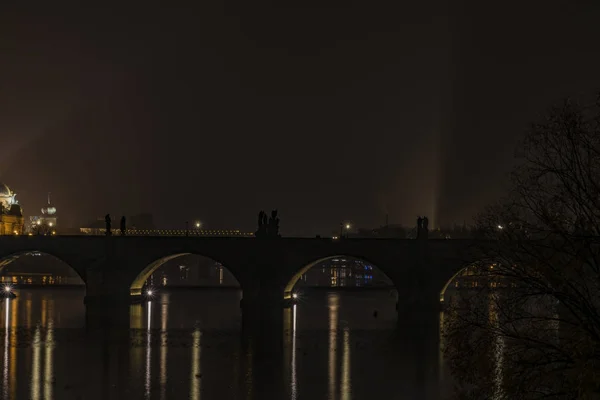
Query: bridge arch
[
  {"x": 472, "y": 271},
  {"x": 7, "y": 260},
  {"x": 291, "y": 282},
  {"x": 137, "y": 285}
]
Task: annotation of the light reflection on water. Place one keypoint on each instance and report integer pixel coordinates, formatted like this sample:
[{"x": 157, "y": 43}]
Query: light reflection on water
[
  {"x": 148, "y": 381},
  {"x": 187, "y": 345},
  {"x": 5, "y": 360}
]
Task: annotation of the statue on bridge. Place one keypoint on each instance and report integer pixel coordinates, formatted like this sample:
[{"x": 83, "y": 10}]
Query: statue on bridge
[
  {"x": 108, "y": 224},
  {"x": 123, "y": 226},
  {"x": 262, "y": 225},
  {"x": 268, "y": 227}
]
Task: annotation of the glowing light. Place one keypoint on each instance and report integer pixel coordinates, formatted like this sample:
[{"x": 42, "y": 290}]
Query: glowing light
[
  {"x": 38, "y": 222},
  {"x": 50, "y": 224},
  {"x": 15, "y": 232},
  {"x": 149, "y": 319},
  {"x": 7, "y": 289},
  {"x": 149, "y": 292},
  {"x": 500, "y": 227},
  {"x": 347, "y": 226},
  {"x": 295, "y": 296},
  {"x": 198, "y": 224}
]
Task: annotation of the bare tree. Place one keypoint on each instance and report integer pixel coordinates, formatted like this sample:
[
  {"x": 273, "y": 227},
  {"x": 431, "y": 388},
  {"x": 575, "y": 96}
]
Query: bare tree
[{"x": 533, "y": 332}]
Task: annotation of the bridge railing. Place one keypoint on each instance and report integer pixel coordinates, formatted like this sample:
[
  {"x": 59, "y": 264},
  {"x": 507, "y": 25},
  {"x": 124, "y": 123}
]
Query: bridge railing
[{"x": 168, "y": 232}]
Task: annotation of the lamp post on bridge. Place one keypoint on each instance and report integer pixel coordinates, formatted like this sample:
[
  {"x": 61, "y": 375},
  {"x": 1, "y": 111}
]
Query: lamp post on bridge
[{"x": 347, "y": 226}]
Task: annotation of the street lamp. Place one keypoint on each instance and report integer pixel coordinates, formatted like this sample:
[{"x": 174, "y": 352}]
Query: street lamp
[
  {"x": 347, "y": 226},
  {"x": 50, "y": 224},
  {"x": 198, "y": 224}
]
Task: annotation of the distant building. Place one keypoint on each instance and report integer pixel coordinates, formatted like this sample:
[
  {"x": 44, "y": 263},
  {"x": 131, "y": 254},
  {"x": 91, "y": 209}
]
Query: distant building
[
  {"x": 344, "y": 272},
  {"x": 46, "y": 223},
  {"x": 35, "y": 268},
  {"x": 11, "y": 214}
]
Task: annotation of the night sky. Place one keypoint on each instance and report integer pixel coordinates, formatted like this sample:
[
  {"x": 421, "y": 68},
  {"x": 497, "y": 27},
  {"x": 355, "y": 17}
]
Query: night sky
[{"x": 328, "y": 111}]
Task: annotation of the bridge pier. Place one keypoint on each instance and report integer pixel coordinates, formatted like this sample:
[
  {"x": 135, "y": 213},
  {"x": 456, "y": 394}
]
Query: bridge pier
[
  {"x": 107, "y": 316},
  {"x": 419, "y": 309},
  {"x": 107, "y": 311},
  {"x": 262, "y": 319}
]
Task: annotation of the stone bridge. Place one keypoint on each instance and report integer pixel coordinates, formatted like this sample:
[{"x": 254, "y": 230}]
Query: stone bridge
[{"x": 114, "y": 269}]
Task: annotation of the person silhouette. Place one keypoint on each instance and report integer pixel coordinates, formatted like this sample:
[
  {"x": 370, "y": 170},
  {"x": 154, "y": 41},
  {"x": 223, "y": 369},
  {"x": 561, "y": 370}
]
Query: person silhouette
[
  {"x": 108, "y": 224},
  {"x": 123, "y": 226}
]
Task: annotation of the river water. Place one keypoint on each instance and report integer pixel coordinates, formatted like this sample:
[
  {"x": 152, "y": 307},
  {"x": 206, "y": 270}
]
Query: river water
[{"x": 186, "y": 344}]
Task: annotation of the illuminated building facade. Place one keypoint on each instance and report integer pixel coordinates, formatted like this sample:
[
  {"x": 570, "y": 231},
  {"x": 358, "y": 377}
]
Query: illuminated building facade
[{"x": 11, "y": 215}]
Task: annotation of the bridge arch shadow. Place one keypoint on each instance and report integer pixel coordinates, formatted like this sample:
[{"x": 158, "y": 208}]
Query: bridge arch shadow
[
  {"x": 291, "y": 283},
  {"x": 226, "y": 275},
  {"x": 33, "y": 267}
]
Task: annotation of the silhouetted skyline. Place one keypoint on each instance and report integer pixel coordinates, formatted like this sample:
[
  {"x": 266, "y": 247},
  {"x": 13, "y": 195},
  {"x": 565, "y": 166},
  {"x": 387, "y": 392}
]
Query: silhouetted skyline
[{"x": 214, "y": 111}]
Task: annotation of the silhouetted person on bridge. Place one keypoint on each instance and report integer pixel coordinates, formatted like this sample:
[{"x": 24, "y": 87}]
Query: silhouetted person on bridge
[
  {"x": 419, "y": 227},
  {"x": 123, "y": 226},
  {"x": 108, "y": 225},
  {"x": 425, "y": 228}
]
